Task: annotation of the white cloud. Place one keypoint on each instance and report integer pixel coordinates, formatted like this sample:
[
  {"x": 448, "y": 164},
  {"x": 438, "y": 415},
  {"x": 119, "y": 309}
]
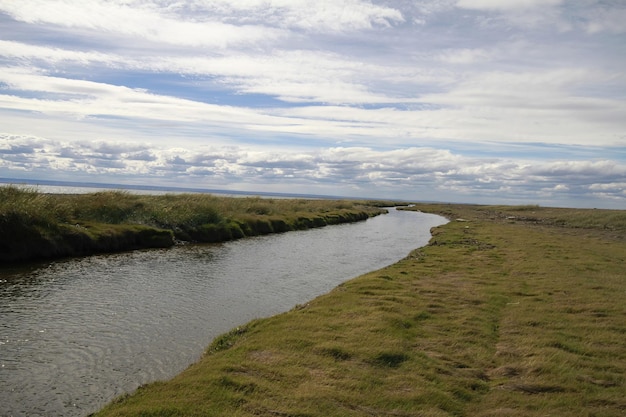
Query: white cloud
[
  {"x": 606, "y": 20},
  {"x": 506, "y": 5},
  {"x": 292, "y": 76},
  {"x": 408, "y": 89},
  {"x": 421, "y": 172},
  {"x": 591, "y": 169},
  {"x": 465, "y": 56},
  {"x": 518, "y": 106},
  {"x": 23, "y": 51},
  {"x": 86, "y": 98},
  {"x": 505, "y": 15},
  {"x": 322, "y": 15},
  {"x": 592, "y": 16},
  {"x": 501, "y": 107},
  {"x": 205, "y": 23},
  {"x": 137, "y": 20},
  {"x": 619, "y": 187}
]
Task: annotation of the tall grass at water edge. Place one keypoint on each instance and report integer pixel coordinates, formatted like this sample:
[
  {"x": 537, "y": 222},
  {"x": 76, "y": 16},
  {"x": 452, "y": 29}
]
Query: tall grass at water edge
[{"x": 36, "y": 225}]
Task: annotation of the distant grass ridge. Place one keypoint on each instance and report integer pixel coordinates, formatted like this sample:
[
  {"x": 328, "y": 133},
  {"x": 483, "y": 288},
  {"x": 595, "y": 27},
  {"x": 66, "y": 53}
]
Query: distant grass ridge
[
  {"x": 497, "y": 316},
  {"x": 36, "y": 225}
]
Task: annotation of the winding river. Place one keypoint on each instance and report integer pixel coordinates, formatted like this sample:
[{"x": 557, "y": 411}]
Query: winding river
[{"x": 76, "y": 333}]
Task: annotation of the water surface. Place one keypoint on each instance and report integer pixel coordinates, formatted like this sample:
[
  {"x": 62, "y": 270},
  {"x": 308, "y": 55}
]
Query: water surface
[{"x": 75, "y": 334}]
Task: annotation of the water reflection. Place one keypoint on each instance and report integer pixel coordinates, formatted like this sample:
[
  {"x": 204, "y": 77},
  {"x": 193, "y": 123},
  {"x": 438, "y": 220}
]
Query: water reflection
[{"x": 77, "y": 333}]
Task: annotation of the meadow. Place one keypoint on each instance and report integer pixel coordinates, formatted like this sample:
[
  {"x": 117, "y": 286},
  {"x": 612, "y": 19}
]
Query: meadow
[
  {"x": 36, "y": 225},
  {"x": 509, "y": 311}
]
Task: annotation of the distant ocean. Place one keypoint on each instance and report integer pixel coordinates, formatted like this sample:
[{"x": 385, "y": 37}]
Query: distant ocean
[{"x": 68, "y": 187}]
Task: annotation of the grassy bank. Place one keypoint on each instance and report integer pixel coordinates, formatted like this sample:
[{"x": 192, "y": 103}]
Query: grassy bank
[
  {"x": 508, "y": 312},
  {"x": 35, "y": 225}
]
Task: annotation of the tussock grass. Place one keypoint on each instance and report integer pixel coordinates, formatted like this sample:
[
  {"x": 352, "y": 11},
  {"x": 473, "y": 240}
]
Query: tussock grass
[
  {"x": 496, "y": 317},
  {"x": 51, "y": 225}
]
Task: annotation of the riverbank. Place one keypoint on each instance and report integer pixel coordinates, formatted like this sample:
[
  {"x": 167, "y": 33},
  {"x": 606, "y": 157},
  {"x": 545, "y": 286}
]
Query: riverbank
[
  {"x": 509, "y": 311},
  {"x": 44, "y": 226}
]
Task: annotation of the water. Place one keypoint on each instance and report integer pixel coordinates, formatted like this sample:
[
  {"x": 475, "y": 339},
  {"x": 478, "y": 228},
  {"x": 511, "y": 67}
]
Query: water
[
  {"x": 67, "y": 187},
  {"x": 75, "y": 334}
]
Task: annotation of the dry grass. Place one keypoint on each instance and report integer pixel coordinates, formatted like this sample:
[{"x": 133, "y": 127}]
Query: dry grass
[{"x": 496, "y": 317}]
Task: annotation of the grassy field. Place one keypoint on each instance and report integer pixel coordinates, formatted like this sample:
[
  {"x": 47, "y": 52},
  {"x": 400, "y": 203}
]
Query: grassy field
[
  {"x": 35, "y": 225},
  {"x": 509, "y": 311}
]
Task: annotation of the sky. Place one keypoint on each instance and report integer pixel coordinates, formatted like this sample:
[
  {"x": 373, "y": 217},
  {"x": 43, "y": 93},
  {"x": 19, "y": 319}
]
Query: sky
[{"x": 472, "y": 101}]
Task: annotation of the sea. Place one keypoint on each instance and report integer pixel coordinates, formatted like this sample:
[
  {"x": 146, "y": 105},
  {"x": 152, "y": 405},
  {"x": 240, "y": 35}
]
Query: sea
[{"x": 70, "y": 187}]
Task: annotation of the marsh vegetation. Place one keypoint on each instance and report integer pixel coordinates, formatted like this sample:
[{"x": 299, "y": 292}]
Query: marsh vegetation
[{"x": 37, "y": 225}]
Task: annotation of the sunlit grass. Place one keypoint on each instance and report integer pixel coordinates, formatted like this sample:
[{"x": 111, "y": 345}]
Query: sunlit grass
[{"x": 496, "y": 317}]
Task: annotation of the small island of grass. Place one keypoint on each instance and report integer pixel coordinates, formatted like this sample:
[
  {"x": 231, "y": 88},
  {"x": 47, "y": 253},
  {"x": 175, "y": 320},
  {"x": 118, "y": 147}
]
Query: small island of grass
[{"x": 36, "y": 225}]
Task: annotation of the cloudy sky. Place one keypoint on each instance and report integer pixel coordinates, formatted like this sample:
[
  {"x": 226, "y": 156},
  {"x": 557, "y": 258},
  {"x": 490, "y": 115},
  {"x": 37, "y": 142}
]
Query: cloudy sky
[{"x": 480, "y": 101}]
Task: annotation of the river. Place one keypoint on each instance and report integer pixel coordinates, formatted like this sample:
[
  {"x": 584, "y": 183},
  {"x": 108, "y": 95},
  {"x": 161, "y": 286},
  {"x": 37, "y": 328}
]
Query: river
[{"x": 76, "y": 333}]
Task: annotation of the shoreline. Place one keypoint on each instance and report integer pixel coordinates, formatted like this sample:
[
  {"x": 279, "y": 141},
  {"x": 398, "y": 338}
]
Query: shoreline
[
  {"x": 498, "y": 315},
  {"x": 54, "y": 226}
]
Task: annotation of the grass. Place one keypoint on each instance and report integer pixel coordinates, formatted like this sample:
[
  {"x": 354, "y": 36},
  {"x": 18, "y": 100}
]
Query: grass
[
  {"x": 52, "y": 225},
  {"x": 509, "y": 311}
]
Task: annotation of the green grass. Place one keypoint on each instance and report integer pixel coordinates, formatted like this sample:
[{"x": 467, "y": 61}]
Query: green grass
[
  {"x": 37, "y": 225},
  {"x": 497, "y": 316}
]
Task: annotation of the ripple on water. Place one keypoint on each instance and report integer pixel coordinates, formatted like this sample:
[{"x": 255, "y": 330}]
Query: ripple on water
[{"x": 74, "y": 334}]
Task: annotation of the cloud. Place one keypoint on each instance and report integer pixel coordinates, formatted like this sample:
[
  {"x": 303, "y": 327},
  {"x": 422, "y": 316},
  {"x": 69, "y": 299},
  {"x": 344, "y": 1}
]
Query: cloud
[
  {"x": 460, "y": 100},
  {"x": 80, "y": 98},
  {"x": 598, "y": 170},
  {"x": 14, "y": 145},
  {"x": 508, "y": 5},
  {"x": 490, "y": 106},
  {"x": 206, "y": 24},
  {"x": 520, "y": 14},
  {"x": 321, "y": 16},
  {"x": 591, "y": 16},
  {"x": 136, "y": 19},
  {"x": 29, "y": 53},
  {"x": 290, "y": 76},
  {"x": 615, "y": 191},
  {"x": 495, "y": 105},
  {"x": 419, "y": 171},
  {"x": 605, "y": 19},
  {"x": 465, "y": 56}
]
